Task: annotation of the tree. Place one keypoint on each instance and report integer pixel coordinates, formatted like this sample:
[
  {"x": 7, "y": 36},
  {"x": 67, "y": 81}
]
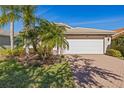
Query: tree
[
  {"x": 118, "y": 43},
  {"x": 28, "y": 15},
  {"x": 30, "y": 34},
  {"x": 19, "y": 40},
  {"x": 29, "y": 18},
  {"x": 44, "y": 38},
  {"x": 10, "y": 14},
  {"x": 53, "y": 36}
]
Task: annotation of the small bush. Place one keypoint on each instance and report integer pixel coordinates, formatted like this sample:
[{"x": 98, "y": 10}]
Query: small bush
[
  {"x": 15, "y": 52},
  {"x": 113, "y": 52},
  {"x": 18, "y": 51},
  {"x": 121, "y": 49},
  {"x": 118, "y": 44},
  {"x": 5, "y": 52}
]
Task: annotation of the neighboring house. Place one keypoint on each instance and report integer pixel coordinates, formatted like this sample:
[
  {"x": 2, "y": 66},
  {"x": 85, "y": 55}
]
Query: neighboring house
[
  {"x": 88, "y": 41},
  {"x": 5, "y": 39},
  {"x": 118, "y": 32}
]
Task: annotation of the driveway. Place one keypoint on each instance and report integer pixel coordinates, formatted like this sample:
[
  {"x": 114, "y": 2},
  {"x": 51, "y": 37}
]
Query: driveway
[{"x": 97, "y": 71}]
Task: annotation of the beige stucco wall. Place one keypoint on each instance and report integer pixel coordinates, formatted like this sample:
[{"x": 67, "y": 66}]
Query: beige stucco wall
[{"x": 107, "y": 43}]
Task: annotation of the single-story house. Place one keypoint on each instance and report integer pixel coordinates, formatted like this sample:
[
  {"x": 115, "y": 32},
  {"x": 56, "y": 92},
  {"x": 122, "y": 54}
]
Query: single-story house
[
  {"x": 88, "y": 41},
  {"x": 81, "y": 40},
  {"x": 5, "y": 39}
]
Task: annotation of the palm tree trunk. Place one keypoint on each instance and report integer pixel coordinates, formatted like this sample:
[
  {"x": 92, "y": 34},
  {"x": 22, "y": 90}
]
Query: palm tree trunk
[
  {"x": 61, "y": 51},
  {"x": 12, "y": 34},
  {"x": 26, "y": 48},
  {"x": 57, "y": 50},
  {"x": 34, "y": 46}
]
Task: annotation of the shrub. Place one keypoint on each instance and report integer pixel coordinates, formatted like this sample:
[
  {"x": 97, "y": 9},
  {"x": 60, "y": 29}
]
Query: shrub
[
  {"x": 15, "y": 52},
  {"x": 14, "y": 75},
  {"x": 5, "y": 52},
  {"x": 118, "y": 44},
  {"x": 18, "y": 51},
  {"x": 113, "y": 52},
  {"x": 121, "y": 49}
]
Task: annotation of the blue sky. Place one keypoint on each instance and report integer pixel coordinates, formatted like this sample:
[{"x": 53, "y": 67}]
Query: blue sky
[{"x": 99, "y": 17}]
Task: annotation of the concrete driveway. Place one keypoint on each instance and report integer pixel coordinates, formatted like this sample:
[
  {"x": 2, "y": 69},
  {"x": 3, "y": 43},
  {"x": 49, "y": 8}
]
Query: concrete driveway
[{"x": 97, "y": 71}]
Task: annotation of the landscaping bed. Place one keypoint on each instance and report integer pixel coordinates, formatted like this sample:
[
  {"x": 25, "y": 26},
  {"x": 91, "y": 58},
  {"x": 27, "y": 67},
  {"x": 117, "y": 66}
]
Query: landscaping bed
[{"x": 14, "y": 75}]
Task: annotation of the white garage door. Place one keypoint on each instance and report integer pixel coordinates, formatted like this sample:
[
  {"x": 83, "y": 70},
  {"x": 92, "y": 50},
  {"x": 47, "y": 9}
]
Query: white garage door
[{"x": 85, "y": 46}]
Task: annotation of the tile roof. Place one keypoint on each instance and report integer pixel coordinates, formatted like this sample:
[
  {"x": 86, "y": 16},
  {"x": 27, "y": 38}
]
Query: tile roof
[
  {"x": 76, "y": 30},
  {"x": 88, "y": 31},
  {"x": 119, "y": 32}
]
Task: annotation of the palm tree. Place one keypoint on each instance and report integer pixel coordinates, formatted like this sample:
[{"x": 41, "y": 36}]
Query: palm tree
[
  {"x": 29, "y": 18},
  {"x": 10, "y": 14},
  {"x": 31, "y": 35},
  {"x": 44, "y": 37},
  {"x": 53, "y": 36},
  {"x": 60, "y": 40},
  {"x": 28, "y": 15}
]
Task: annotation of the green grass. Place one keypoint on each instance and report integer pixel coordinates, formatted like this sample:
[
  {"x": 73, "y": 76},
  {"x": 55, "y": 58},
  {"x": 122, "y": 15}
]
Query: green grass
[{"x": 12, "y": 74}]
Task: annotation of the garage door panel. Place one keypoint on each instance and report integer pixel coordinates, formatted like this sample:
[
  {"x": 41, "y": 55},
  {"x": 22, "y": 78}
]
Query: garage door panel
[{"x": 85, "y": 46}]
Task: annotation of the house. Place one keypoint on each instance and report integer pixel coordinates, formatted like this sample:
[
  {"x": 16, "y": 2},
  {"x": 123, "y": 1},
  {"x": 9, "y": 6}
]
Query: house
[
  {"x": 88, "y": 40},
  {"x": 118, "y": 32},
  {"x": 5, "y": 39},
  {"x": 81, "y": 40}
]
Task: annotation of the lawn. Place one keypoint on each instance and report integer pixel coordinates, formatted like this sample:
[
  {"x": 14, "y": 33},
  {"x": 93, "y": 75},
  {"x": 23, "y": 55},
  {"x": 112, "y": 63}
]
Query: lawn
[{"x": 14, "y": 75}]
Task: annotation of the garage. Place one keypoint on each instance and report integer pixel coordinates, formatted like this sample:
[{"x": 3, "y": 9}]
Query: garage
[
  {"x": 85, "y": 46},
  {"x": 87, "y": 41}
]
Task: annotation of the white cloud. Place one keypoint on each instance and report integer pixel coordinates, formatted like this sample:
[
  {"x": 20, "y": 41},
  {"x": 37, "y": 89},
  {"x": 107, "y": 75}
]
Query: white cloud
[
  {"x": 101, "y": 21},
  {"x": 44, "y": 11}
]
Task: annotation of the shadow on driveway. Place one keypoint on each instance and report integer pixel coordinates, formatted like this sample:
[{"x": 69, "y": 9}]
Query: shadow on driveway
[{"x": 85, "y": 73}]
